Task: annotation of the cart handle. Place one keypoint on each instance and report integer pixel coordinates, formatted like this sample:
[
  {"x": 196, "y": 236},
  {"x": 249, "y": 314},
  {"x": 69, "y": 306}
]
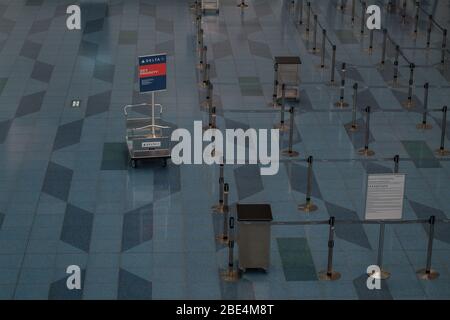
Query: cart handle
[
  {"x": 130, "y": 106},
  {"x": 151, "y": 126}
]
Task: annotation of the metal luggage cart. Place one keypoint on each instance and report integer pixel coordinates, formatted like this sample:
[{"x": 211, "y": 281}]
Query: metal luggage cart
[
  {"x": 287, "y": 73},
  {"x": 146, "y": 139},
  {"x": 210, "y": 5}
]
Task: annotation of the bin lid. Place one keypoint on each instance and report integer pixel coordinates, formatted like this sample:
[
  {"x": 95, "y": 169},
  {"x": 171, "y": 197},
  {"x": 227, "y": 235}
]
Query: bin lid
[
  {"x": 254, "y": 212},
  {"x": 288, "y": 60}
]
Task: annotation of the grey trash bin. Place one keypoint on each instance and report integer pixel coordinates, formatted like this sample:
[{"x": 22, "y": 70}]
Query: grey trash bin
[{"x": 253, "y": 238}]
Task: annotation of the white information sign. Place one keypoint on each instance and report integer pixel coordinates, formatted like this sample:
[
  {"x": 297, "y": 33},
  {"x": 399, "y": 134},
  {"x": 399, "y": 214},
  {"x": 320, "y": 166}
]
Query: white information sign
[{"x": 384, "y": 196}]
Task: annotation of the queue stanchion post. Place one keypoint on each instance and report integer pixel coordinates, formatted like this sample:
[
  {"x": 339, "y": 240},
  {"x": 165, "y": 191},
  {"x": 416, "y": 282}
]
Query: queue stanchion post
[
  {"x": 430, "y": 27},
  {"x": 209, "y": 96},
  {"x": 300, "y": 14},
  {"x": 363, "y": 17},
  {"x": 409, "y": 103},
  {"x": 425, "y": 125},
  {"x": 394, "y": 81},
  {"x": 308, "y": 18},
  {"x": 308, "y": 206},
  {"x": 314, "y": 48},
  {"x": 442, "y": 151},
  {"x": 274, "y": 102},
  {"x": 353, "y": 11},
  {"x": 282, "y": 125},
  {"x": 333, "y": 66},
  {"x": 341, "y": 103},
  {"x": 443, "y": 47},
  {"x": 370, "y": 49},
  {"x": 396, "y": 163},
  {"x": 289, "y": 152},
  {"x": 200, "y": 42},
  {"x": 416, "y": 19},
  {"x": 366, "y": 151},
  {"x": 404, "y": 12},
  {"x": 427, "y": 273},
  {"x": 242, "y": 4},
  {"x": 231, "y": 274},
  {"x": 382, "y": 274},
  {"x": 213, "y": 119},
  {"x": 322, "y": 55},
  {"x": 224, "y": 237},
  {"x": 219, "y": 208},
  {"x": 205, "y": 76},
  {"x": 383, "y": 50},
  {"x": 330, "y": 274},
  {"x": 353, "y": 125}
]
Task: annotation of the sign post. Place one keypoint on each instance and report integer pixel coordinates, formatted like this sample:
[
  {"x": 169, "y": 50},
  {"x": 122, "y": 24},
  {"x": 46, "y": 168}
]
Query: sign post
[
  {"x": 152, "y": 77},
  {"x": 384, "y": 201}
]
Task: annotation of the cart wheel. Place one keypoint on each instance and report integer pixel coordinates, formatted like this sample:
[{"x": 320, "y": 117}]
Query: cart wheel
[
  {"x": 133, "y": 163},
  {"x": 164, "y": 163}
]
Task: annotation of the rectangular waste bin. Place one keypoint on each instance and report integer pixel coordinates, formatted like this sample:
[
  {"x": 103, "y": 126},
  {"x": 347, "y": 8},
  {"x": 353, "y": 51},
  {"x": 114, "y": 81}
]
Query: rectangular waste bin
[{"x": 253, "y": 239}]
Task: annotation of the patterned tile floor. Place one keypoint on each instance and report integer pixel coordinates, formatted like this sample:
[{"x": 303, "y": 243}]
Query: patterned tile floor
[{"x": 68, "y": 196}]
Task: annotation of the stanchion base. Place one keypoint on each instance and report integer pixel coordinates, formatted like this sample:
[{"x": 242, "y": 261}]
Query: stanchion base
[
  {"x": 366, "y": 152},
  {"x": 200, "y": 66},
  {"x": 281, "y": 126},
  {"x": 424, "y": 126},
  {"x": 218, "y": 208},
  {"x": 408, "y": 104},
  {"x": 307, "y": 207},
  {"x": 352, "y": 128},
  {"x": 442, "y": 152},
  {"x": 319, "y": 66},
  {"x": 314, "y": 51},
  {"x": 340, "y": 104},
  {"x": 393, "y": 84},
  {"x": 222, "y": 239},
  {"x": 207, "y": 127},
  {"x": 204, "y": 104},
  {"x": 202, "y": 85},
  {"x": 382, "y": 275},
  {"x": 333, "y": 84},
  {"x": 242, "y": 5},
  {"x": 424, "y": 275},
  {"x": 274, "y": 105},
  {"x": 230, "y": 275},
  {"x": 290, "y": 154},
  {"x": 333, "y": 276}
]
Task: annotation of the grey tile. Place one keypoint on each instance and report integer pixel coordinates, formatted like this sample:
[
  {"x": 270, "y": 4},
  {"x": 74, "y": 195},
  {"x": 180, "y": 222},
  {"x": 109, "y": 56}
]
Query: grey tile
[
  {"x": 77, "y": 227},
  {"x": 115, "y": 156},
  {"x": 98, "y": 103},
  {"x": 68, "y": 134},
  {"x": 40, "y": 26},
  {"x": 137, "y": 227},
  {"x": 133, "y": 287},
  {"x": 442, "y": 230},
  {"x": 42, "y": 71},
  {"x": 31, "y": 49},
  {"x": 31, "y": 103},
  {"x": 88, "y": 49},
  {"x": 94, "y": 26},
  {"x": 364, "y": 293},
  {"x": 260, "y": 49},
  {"x": 57, "y": 181},
  {"x": 353, "y": 233},
  {"x": 248, "y": 181},
  {"x": 58, "y": 289},
  {"x": 4, "y": 129},
  {"x": 163, "y": 25},
  {"x": 296, "y": 259},
  {"x": 2, "y": 217},
  {"x": 346, "y": 36}
]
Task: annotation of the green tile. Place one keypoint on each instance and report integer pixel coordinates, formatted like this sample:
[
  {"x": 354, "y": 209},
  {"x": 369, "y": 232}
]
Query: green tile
[
  {"x": 346, "y": 36},
  {"x": 115, "y": 156},
  {"x": 296, "y": 259},
  {"x": 421, "y": 154}
]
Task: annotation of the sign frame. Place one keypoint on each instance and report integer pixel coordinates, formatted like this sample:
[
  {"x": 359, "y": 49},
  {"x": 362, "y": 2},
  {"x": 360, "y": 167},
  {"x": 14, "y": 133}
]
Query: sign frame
[
  {"x": 149, "y": 56},
  {"x": 384, "y": 216}
]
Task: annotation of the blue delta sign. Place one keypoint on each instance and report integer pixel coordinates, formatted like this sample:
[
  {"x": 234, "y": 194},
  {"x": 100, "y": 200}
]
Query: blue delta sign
[{"x": 152, "y": 73}]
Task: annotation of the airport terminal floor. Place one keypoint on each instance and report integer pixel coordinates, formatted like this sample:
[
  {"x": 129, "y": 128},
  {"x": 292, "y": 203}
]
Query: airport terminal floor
[{"x": 69, "y": 196}]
